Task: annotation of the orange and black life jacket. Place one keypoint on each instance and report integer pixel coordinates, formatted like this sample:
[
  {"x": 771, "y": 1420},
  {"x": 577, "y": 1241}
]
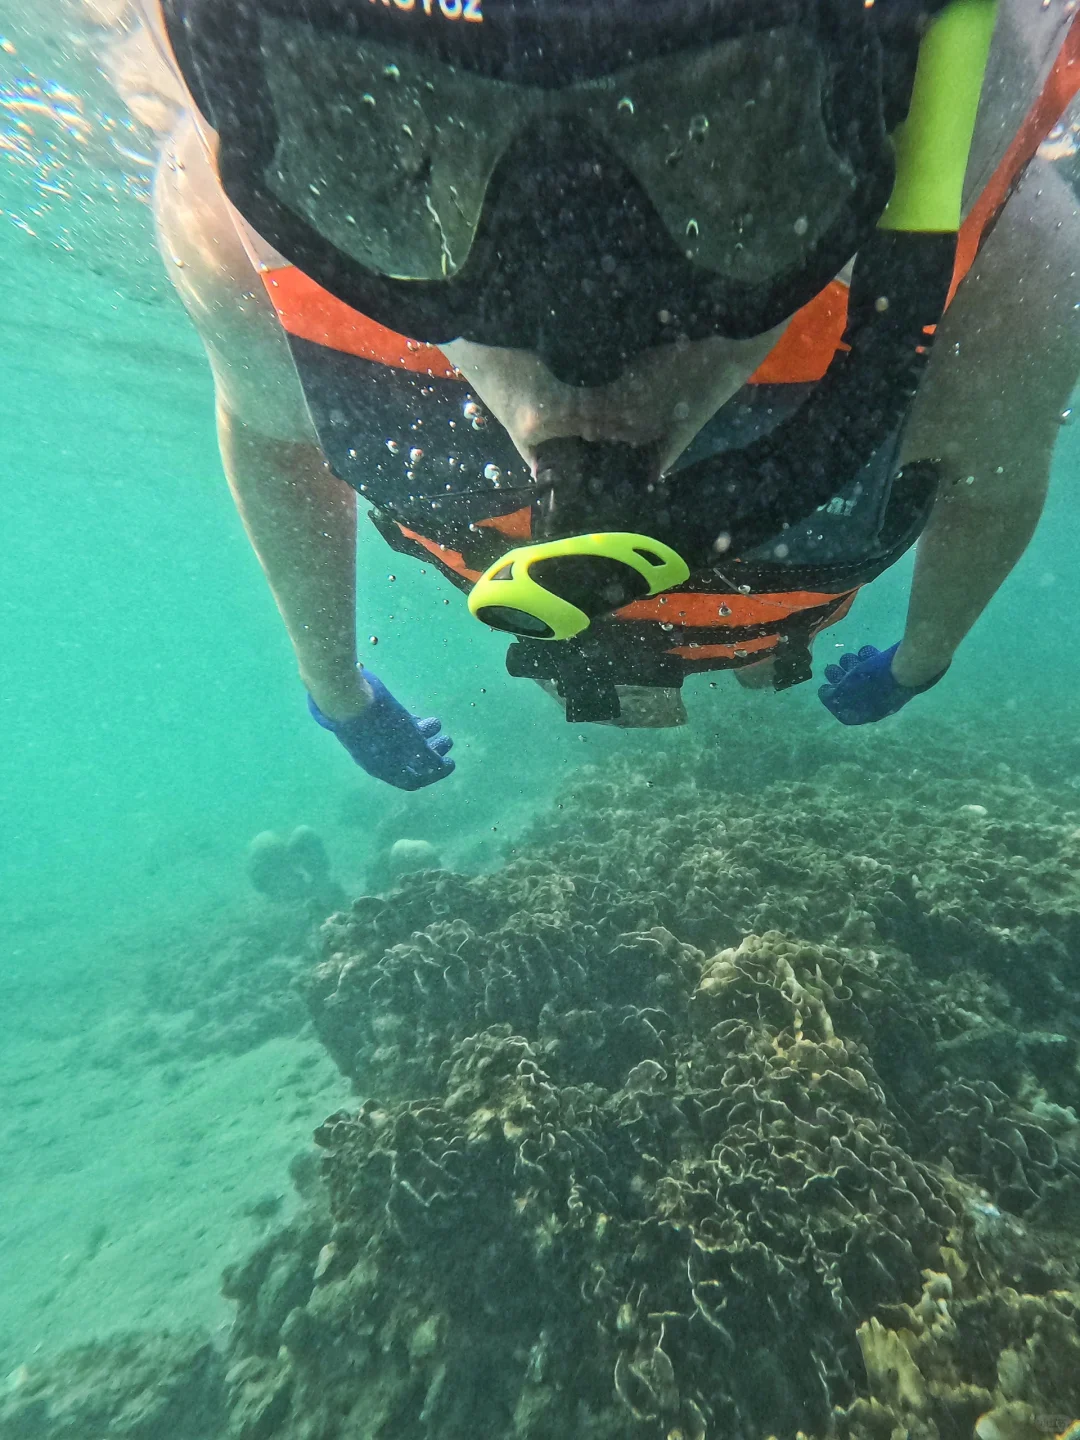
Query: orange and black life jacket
[{"x": 445, "y": 483}]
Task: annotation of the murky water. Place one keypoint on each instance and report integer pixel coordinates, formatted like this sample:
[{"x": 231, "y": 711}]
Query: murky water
[{"x": 597, "y": 1162}]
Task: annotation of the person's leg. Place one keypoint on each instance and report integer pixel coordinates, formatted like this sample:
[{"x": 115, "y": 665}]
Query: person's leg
[{"x": 301, "y": 521}]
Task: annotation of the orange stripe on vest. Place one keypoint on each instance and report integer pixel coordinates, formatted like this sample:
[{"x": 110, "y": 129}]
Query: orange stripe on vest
[
  {"x": 1061, "y": 88},
  {"x": 759, "y": 649},
  {"x": 451, "y": 558},
  {"x": 311, "y": 313},
  {"x": 680, "y": 608},
  {"x": 763, "y": 646},
  {"x": 805, "y": 350},
  {"x": 517, "y": 526}
]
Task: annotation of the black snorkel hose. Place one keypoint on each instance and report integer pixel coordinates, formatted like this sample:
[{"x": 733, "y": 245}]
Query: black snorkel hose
[
  {"x": 726, "y": 505},
  {"x": 730, "y": 503}
]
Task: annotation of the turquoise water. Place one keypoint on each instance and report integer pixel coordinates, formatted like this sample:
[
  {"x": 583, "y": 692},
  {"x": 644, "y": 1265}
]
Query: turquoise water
[{"x": 152, "y": 725}]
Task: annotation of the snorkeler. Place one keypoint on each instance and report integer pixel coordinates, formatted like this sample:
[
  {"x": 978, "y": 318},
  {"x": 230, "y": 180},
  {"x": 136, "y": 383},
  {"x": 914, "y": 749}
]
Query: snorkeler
[{"x": 564, "y": 292}]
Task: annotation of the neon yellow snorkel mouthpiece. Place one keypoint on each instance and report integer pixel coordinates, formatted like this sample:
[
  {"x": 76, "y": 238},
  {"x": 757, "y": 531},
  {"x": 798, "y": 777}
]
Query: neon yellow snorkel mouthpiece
[{"x": 551, "y": 591}]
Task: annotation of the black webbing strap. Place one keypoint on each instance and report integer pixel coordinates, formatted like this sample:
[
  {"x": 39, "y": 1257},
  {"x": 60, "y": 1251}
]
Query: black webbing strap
[{"x": 898, "y": 294}]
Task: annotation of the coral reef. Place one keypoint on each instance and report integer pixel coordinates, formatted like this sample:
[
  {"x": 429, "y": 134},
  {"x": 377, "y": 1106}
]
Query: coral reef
[
  {"x": 295, "y": 871},
  {"x": 585, "y": 1259},
  {"x": 742, "y": 1102},
  {"x": 406, "y": 857},
  {"x": 787, "y": 1188},
  {"x": 730, "y": 1235},
  {"x": 393, "y": 861}
]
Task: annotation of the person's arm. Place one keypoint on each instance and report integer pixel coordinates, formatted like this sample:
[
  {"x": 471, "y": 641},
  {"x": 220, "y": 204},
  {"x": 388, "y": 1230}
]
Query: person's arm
[
  {"x": 301, "y": 521},
  {"x": 1004, "y": 366},
  {"x": 300, "y": 518}
]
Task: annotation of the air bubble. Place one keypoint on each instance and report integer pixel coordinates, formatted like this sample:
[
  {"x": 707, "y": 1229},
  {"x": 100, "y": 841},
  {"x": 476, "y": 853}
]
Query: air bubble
[
  {"x": 373, "y": 639},
  {"x": 391, "y": 72},
  {"x": 682, "y": 410},
  {"x": 415, "y": 454},
  {"x": 625, "y": 106},
  {"x": 802, "y": 225},
  {"x": 666, "y": 625},
  {"x": 393, "y": 446},
  {"x": 744, "y": 589},
  {"x": 492, "y": 473},
  {"x": 699, "y": 127},
  {"x": 724, "y": 610}
]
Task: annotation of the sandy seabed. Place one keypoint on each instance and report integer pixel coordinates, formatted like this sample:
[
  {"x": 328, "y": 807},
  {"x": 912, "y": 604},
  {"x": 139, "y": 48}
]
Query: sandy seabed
[{"x": 142, "y": 1151}]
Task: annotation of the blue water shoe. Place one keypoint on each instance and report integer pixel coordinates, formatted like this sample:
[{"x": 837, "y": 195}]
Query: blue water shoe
[
  {"x": 389, "y": 743},
  {"x": 862, "y": 687}
]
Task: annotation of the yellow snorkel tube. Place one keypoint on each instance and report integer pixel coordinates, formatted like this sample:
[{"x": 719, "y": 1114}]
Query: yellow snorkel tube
[
  {"x": 934, "y": 142},
  {"x": 553, "y": 590}
]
